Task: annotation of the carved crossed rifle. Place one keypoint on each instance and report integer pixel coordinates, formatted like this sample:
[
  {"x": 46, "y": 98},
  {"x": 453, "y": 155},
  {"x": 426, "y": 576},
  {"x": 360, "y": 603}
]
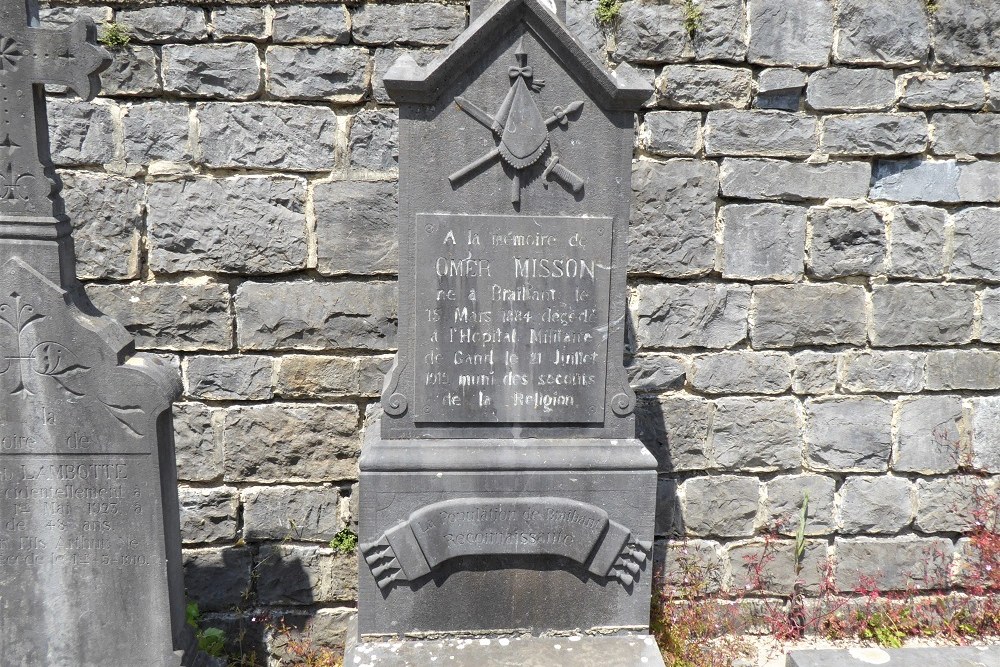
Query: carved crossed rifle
[{"x": 523, "y": 133}]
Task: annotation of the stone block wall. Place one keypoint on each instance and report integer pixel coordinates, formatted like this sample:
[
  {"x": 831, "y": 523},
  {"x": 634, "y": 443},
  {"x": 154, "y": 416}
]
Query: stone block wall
[{"x": 815, "y": 273}]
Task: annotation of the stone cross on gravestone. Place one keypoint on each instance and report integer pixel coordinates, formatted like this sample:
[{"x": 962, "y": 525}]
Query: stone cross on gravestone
[
  {"x": 90, "y": 559},
  {"x": 30, "y": 57}
]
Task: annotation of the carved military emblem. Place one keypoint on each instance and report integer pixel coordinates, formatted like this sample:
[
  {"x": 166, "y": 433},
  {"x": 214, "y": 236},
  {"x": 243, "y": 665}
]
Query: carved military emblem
[{"x": 522, "y": 131}]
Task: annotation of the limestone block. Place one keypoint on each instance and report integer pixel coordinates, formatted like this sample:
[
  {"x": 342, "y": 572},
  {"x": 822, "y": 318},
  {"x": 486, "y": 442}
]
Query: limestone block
[
  {"x": 672, "y": 227},
  {"x": 922, "y": 314},
  {"x": 848, "y": 434},
  {"x": 266, "y": 443}
]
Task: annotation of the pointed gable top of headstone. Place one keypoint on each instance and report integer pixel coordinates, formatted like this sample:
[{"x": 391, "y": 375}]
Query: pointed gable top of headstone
[{"x": 622, "y": 89}]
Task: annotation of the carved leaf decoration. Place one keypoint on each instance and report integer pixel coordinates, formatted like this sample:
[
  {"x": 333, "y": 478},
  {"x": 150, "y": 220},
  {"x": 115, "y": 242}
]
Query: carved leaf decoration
[
  {"x": 7, "y": 316},
  {"x": 129, "y": 416},
  {"x": 55, "y": 360}
]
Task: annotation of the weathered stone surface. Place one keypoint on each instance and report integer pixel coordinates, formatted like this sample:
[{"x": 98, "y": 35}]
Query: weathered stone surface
[
  {"x": 322, "y": 629},
  {"x": 383, "y": 60},
  {"x": 990, "y": 321},
  {"x": 895, "y": 372},
  {"x": 198, "y": 442},
  {"x": 266, "y": 443},
  {"x": 767, "y": 133},
  {"x": 187, "y": 316},
  {"x": 582, "y": 23},
  {"x": 763, "y": 241},
  {"x": 867, "y": 134},
  {"x": 963, "y": 369},
  {"x": 815, "y": 373},
  {"x": 134, "y": 70},
  {"x": 848, "y": 434},
  {"x": 106, "y": 213},
  {"x": 411, "y": 23},
  {"x": 842, "y": 89},
  {"x": 656, "y": 372},
  {"x": 785, "y": 497},
  {"x": 742, "y": 372},
  {"x": 651, "y": 33},
  {"x": 250, "y": 225},
  {"x": 725, "y": 505},
  {"x": 966, "y": 134},
  {"x": 299, "y": 513},
  {"x": 217, "y": 578},
  {"x": 62, "y": 17},
  {"x": 374, "y": 140},
  {"x": 347, "y": 211},
  {"x": 922, "y": 314},
  {"x": 947, "y": 181},
  {"x": 313, "y": 376},
  {"x": 227, "y": 71},
  {"x": 246, "y": 22},
  {"x": 985, "y": 438},
  {"x": 80, "y": 133},
  {"x": 165, "y": 23},
  {"x": 228, "y": 378},
  {"x": 321, "y": 23},
  {"x": 897, "y": 564},
  {"x": 967, "y": 33},
  {"x": 976, "y": 254},
  {"x": 305, "y": 575},
  {"x": 780, "y": 88},
  {"x": 751, "y": 434},
  {"x": 157, "y": 131},
  {"x": 893, "y": 32},
  {"x": 316, "y": 316},
  {"x": 942, "y": 90},
  {"x": 676, "y": 430},
  {"x": 875, "y": 505},
  {"x": 208, "y": 515},
  {"x": 799, "y": 34},
  {"x": 722, "y": 31},
  {"x": 713, "y": 316},
  {"x": 777, "y": 572},
  {"x": 846, "y": 242},
  {"x": 794, "y": 315},
  {"x": 948, "y": 504},
  {"x": 993, "y": 82},
  {"x": 930, "y": 437},
  {"x": 918, "y": 241},
  {"x": 793, "y": 181},
  {"x": 338, "y": 74},
  {"x": 672, "y": 230},
  {"x": 703, "y": 87},
  {"x": 676, "y": 559},
  {"x": 268, "y": 136},
  {"x": 671, "y": 133}
]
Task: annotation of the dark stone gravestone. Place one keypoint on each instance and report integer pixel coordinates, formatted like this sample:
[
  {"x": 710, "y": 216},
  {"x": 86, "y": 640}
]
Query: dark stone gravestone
[
  {"x": 502, "y": 491},
  {"x": 90, "y": 544}
]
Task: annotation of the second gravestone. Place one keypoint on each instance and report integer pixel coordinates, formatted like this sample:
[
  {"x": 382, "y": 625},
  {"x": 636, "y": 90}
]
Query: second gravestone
[
  {"x": 90, "y": 543},
  {"x": 502, "y": 491}
]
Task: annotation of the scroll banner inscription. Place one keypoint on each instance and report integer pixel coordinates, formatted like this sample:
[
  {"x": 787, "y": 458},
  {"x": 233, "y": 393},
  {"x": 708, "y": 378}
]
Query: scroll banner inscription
[{"x": 501, "y": 526}]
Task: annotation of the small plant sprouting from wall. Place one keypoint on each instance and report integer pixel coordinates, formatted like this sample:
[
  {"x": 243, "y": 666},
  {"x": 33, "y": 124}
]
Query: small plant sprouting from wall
[
  {"x": 607, "y": 12},
  {"x": 345, "y": 542},
  {"x": 692, "y": 17},
  {"x": 114, "y": 35},
  {"x": 932, "y": 6},
  {"x": 210, "y": 640}
]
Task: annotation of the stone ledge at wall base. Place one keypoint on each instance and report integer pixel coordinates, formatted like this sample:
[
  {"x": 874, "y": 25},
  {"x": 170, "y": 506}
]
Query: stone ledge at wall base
[
  {"x": 945, "y": 656},
  {"x": 496, "y": 536},
  {"x": 572, "y": 650}
]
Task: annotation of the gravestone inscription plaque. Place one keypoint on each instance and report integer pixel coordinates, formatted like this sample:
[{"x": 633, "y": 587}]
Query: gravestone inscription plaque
[
  {"x": 90, "y": 544},
  {"x": 502, "y": 490}
]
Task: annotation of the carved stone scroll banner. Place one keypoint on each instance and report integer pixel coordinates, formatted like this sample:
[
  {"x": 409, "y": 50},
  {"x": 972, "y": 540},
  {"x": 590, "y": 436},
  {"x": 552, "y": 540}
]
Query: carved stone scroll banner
[{"x": 505, "y": 526}]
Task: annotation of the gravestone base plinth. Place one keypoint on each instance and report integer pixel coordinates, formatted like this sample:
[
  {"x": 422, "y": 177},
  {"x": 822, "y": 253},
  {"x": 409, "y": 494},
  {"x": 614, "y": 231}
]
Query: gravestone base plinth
[
  {"x": 491, "y": 536},
  {"x": 575, "y": 650}
]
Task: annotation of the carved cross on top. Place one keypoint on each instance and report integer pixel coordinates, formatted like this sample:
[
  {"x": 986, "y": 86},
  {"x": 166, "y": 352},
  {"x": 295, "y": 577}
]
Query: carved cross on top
[{"x": 31, "y": 57}]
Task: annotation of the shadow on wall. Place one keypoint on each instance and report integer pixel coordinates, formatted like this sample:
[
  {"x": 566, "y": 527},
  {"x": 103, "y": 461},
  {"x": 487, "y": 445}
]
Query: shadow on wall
[{"x": 236, "y": 591}]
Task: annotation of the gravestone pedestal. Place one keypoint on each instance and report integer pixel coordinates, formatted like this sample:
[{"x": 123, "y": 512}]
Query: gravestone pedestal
[{"x": 503, "y": 495}]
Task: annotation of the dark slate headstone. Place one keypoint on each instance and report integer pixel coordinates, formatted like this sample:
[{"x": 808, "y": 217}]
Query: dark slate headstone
[
  {"x": 90, "y": 541},
  {"x": 502, "y": 490}
]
